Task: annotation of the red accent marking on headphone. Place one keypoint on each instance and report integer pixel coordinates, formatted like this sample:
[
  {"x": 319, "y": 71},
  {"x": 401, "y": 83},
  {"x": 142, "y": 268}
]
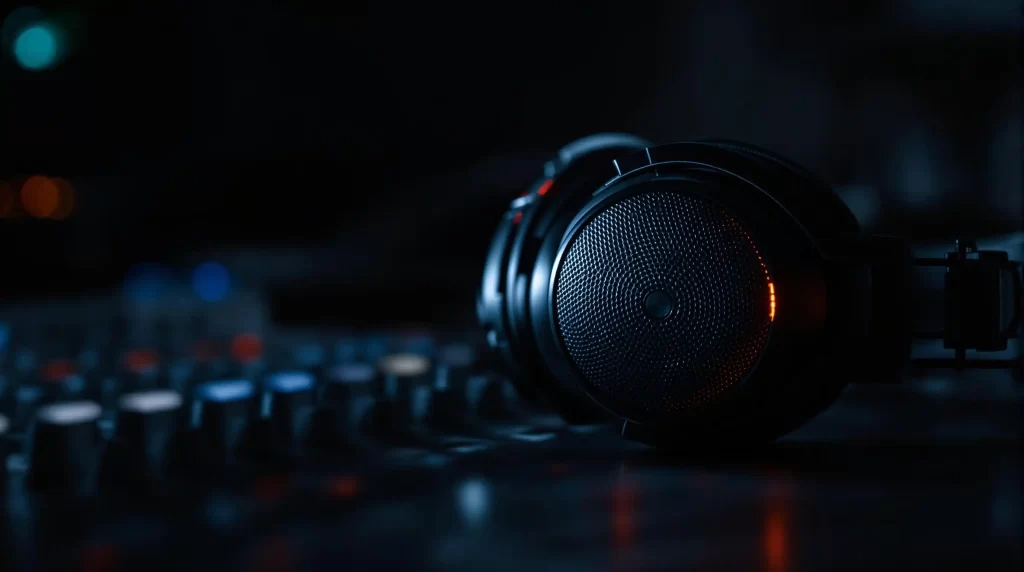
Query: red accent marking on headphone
[
  {"x": 518, "y": 217},
  {"x": 545, "y": 187}
]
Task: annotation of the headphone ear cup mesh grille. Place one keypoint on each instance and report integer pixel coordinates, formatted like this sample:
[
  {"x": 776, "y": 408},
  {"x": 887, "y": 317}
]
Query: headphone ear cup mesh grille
[{"x": 663, "y": 304}]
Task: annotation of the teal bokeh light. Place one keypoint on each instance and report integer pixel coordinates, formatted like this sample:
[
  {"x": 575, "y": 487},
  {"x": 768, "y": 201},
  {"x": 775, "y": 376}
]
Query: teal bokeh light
[{"x": 36, "y": 47}]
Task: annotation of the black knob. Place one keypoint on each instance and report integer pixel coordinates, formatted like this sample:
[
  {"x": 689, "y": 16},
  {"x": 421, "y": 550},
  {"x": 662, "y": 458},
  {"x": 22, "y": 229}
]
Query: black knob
[
  {"x": 345, "y": 407},
  {"x": 455, "y": 362},
  {"x": 27, "y": 400},
  {"x": 456, "y": 391},
  {"x": 348, "y": 381},
  {"x": 146, "y": 425},
  {"x": 287, "y": 406},
  {"x": 203, "y": 363},
  {"x": 220, "y": 416},
  {"x": 456, "y": 405},
  {"x": 64, "y": 446},
  {"x": 401, "y": 372},
  {"x": 404, "y": 398}
]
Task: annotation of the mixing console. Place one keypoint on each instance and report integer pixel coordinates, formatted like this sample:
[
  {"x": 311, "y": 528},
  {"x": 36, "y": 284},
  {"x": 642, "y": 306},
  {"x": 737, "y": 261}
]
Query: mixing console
[{"x": 197, "y": 437}]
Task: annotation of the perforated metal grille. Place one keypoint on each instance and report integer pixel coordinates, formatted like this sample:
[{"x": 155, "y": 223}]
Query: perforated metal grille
[{"x": 673, "y": 244}]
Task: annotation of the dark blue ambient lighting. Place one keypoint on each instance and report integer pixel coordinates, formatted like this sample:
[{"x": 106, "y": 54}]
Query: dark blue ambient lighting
[
  {"x": 211, "y": 281},
  {"x": 147, "y": 282}
]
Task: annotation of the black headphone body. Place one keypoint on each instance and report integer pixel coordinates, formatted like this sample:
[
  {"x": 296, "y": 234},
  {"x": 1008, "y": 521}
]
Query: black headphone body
[{"x": 699, "y": 292}]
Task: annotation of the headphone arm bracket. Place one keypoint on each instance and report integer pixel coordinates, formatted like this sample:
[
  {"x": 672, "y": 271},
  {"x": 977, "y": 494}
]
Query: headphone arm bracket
[{"x": 981, "y": 302}]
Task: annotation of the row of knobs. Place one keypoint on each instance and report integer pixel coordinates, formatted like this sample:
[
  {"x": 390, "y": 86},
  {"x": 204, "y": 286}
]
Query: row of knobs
[{"x": 403, "y": 400}]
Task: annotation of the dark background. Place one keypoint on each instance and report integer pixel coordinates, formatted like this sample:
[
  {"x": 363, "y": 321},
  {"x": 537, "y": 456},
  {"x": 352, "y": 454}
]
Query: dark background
[{"x": 381, "y": 140}]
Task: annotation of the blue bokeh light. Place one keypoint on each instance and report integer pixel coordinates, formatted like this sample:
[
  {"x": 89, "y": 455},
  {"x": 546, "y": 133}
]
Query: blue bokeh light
[
  {"x": 211, "y": 281},
  {"x": 36, "y": 47}
]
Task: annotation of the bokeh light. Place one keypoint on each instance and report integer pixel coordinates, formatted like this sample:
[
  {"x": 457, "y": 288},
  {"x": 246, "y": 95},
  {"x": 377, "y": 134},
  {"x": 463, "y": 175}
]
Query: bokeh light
[
  {"x": 40, "y": 196},
  {"x": 211, "y": 281},
  {"x": 66, "y": 199},
  {"x": 36, "y": 47}
]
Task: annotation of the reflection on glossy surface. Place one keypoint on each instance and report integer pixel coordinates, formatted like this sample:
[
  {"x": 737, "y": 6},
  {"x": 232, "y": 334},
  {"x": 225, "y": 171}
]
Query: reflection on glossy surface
[
  {"x": 888, "y": 479},
  {"x": 623, "y": 511},
  {"x": 474, "y": 497},
  {"x": 777, "y": 529}
]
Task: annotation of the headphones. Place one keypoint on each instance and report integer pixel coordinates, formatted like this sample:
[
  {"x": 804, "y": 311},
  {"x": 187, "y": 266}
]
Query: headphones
[{"x": 714, "y": 292}]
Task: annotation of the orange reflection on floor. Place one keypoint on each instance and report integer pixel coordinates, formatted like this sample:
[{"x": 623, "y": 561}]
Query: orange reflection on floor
[
  {"x": 623, "y": 512},
  {"x": 777, "y": 532}
]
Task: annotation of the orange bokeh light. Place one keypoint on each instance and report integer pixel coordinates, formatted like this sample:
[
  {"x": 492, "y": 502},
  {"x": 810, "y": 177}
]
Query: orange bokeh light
[
  {"x": 66, "y": 196},
  {"x": 40, "y": 196}
]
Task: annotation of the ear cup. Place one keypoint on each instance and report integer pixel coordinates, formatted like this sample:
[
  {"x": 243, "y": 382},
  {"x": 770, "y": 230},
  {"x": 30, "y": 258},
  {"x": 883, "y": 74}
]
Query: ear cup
[
  {"x": 662, "y": 294},
  {"x": 682, "y": 289}
]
